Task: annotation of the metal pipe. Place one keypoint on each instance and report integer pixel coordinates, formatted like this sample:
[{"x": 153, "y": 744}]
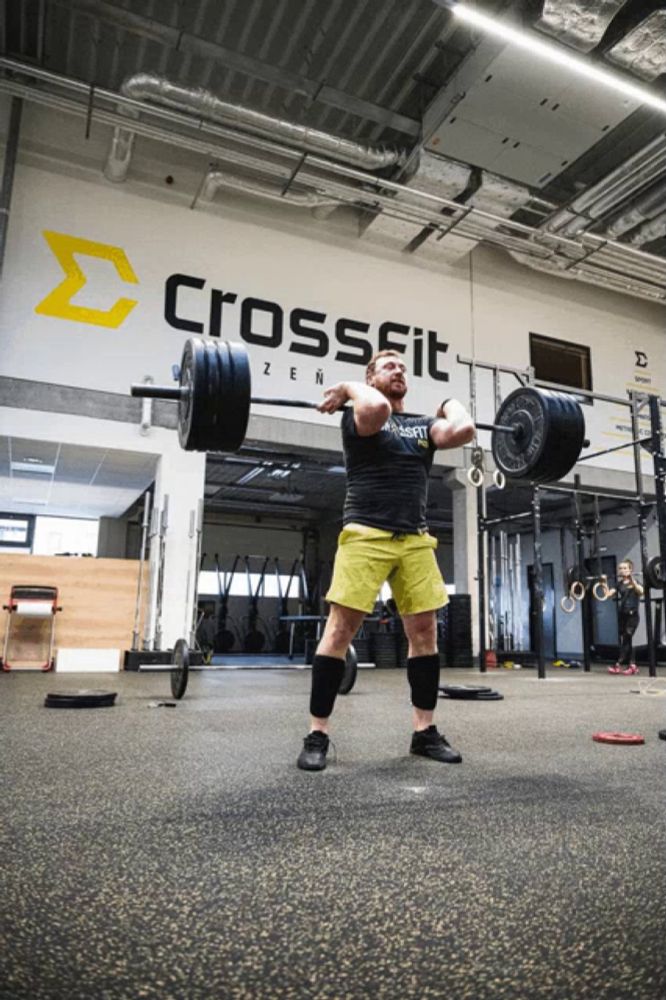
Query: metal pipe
[
  {"x": 481, "y": 573},
  {"x": 142, "y": 556},
  {"x": 642, "y": 536},
  {"x": 580, "y": 560},
  {"x": 208, "y": 105},
  {"x": 642, "y": 210},
  {"x": 659, "y": 459},
  {"x": 11, "y": 150},
  {"x": 617, "y": 447},
  {"x": 409, "y": 205},
  {"x": 537, "y": 586}
]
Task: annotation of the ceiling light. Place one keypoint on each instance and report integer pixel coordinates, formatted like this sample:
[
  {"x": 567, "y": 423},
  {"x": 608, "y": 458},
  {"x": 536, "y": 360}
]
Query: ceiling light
[
  {"x": 556, "y": 54},
  {"x": 30, "y": 466},
  {"x": 249, "y": 476}
]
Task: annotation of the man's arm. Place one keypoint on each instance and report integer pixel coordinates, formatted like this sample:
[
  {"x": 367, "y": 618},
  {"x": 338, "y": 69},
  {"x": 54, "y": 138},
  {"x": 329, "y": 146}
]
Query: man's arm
[
  {"x": 371, "y": 408},
  {"x": 637, "y": 586},
  {"x": 453, "y": 427}
]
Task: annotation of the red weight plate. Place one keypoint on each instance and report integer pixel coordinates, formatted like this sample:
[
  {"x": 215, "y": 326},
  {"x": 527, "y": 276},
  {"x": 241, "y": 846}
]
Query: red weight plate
[{"x": 628, "y": 739}]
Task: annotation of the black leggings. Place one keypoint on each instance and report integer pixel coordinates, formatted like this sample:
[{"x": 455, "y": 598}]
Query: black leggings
[{"x": 628, "y": 623}]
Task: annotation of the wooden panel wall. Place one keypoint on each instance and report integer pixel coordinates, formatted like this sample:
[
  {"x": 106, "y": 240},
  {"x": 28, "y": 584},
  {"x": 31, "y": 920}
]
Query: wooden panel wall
[{"x": 98, "y": 598}]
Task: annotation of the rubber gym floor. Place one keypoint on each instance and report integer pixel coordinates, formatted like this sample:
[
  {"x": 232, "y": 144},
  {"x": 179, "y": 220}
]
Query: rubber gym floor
[{"x": 154, "y": 852}]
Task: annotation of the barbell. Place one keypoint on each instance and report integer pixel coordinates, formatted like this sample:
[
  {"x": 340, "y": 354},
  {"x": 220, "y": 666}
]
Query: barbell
[
  {"x": 180, "y": 669},
  {"x": 537, "y": 435}
]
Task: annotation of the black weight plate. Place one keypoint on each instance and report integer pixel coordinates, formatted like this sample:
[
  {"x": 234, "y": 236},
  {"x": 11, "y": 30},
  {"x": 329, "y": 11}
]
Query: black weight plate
[
  {"x": 254, "y": 641},
  {"x": 654, "y": 573},
  {"x": 224, "y": 641},
  {"x": 662, "y": 734},
  {"x": 211, "y": 405},
  {"x": 349, "y": 675},
  {"x": 464, "y": 690},
  {"x": 80, "y": 699},
  {"x": 191, "y": 419},
  {"x": 234, "y": 397},
  {"x": 553, "y": 431},
  {"x": 180, "y": 661},
  {"x": 282, "y": 642},
  {"x": 490, "y": 696}
]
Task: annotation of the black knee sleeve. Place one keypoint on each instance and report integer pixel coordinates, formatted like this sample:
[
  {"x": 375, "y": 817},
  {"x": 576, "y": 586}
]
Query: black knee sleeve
[
  {"x": 423, "y": 677},
  {"x": 327, "y": 674}
]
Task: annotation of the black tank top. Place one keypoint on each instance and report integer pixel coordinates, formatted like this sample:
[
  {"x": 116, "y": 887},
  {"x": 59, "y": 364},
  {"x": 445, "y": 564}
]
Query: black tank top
[
  {"x": 627, "y": 597},
  {"x": 387, "y": 473}
]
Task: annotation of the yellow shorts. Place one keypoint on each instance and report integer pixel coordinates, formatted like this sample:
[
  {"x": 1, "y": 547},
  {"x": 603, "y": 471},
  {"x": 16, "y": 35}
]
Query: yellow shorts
[{"x": 366, "y": 557}]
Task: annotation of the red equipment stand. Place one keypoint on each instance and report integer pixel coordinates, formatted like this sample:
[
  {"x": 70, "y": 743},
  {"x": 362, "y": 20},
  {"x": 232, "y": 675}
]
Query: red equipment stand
[{"x": 28, "y": 603}]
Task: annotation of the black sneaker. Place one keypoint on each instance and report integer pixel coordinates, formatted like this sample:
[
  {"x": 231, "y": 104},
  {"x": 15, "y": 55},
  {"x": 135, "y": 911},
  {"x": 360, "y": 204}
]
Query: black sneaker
[
  {"x": 430, "y": 743},
  {"x": 313, "y": 755}
]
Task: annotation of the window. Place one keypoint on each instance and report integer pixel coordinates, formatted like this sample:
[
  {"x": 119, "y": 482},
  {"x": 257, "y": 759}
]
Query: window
[
  {"x": 16, "y": 531},
  {"x": 560, "y": 361},
  {"x": 65, "y": 536}
]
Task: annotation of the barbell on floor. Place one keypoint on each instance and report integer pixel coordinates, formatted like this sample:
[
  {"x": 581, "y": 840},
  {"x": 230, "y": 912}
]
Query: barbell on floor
[
  {"x": 537, "y": 435},
  {"x": 180, "y": 669}
]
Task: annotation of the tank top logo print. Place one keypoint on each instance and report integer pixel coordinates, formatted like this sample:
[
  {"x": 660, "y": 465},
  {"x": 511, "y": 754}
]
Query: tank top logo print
[{"x": 419, "y": 432}]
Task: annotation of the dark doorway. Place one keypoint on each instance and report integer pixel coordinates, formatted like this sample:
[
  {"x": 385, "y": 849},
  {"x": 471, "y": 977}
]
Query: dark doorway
[
  {"x": 602, "y": 615},
  {"x": 549, "y": 631}
]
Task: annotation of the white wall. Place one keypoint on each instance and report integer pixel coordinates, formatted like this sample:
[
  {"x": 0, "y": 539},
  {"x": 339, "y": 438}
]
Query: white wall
[{"x": 487, "y": 310}]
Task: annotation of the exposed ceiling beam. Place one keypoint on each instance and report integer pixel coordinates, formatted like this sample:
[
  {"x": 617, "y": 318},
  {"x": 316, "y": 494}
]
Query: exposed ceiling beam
[{"x": 191, "y": 44}]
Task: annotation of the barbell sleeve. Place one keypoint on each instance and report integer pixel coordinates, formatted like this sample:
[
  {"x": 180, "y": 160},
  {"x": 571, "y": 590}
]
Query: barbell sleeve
[{"x": 147, "y": 390}]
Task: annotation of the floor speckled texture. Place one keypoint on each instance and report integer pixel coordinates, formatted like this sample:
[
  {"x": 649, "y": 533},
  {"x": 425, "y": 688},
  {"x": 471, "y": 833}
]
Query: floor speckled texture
[{"x": 178, "y": 853}]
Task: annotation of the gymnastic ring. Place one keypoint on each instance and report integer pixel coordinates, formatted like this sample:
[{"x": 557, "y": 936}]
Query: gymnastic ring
[
  {"x": 568, "y": 603},
  {"x": 577, "y": 590},
  {"x": 603, "y": 587},
  {"x": 475, "y": 476},
  {"x": 499, "y": 479}
]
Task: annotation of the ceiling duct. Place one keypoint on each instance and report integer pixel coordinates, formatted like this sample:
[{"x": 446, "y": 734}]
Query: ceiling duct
[
  {"x": 611, "y": 191},
  {"x": 646, "y": 208},
  {"x": 433, "y": 174},
  {"x": 590, "y": 257},
  {"x": 643, "y": 50},
  {"x": 562, "y": 268},
  {"x": 216, "y": 179},
  {"x": 578, "y": 23},
  {"x": 495, "y": 195},
  {"x": 204, "y": 104},
  {"x": 649, "y": 231}
]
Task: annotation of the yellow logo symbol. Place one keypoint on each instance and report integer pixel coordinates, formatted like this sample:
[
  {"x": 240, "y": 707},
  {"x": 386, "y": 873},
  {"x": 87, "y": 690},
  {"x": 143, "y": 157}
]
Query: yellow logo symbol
[{"x": 58, "y": 302}]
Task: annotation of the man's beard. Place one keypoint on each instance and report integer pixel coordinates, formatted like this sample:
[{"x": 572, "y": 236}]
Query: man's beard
[{"x": 397, "y": 390}]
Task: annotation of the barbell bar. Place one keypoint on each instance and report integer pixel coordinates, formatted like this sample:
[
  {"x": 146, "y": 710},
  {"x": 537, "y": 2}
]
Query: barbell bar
[
  {"x": 537, "y": 435},
  {"x": 150, "y": 391}
]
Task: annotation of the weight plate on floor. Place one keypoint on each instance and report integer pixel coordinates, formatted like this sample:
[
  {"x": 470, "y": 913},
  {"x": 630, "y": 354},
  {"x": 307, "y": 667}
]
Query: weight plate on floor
[
  {"x": 349, "y": 675},
  {"x": 180, "y": 664},
  {"x": 490, "y": 696},
  {"x": 662, "y": 734},
  {"x": 463, "y": 690},
  {"x": 627, "y": 739},
  {"x": 254, "y": 641},
  {"x": 82, "y": 698}
]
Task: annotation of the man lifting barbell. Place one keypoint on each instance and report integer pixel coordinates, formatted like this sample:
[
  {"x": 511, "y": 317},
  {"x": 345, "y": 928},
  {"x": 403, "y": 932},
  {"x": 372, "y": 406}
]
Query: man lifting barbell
[
  {"x": 629, "y": 592},
  {"x": 388, "y": 456},
  {"x": 537, "y": 435}
]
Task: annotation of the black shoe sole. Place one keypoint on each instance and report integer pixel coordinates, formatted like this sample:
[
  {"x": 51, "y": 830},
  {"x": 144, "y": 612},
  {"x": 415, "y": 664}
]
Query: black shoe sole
[
  {"x": 453, "y": 760},
  {"x": 310, "y": 767}
]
